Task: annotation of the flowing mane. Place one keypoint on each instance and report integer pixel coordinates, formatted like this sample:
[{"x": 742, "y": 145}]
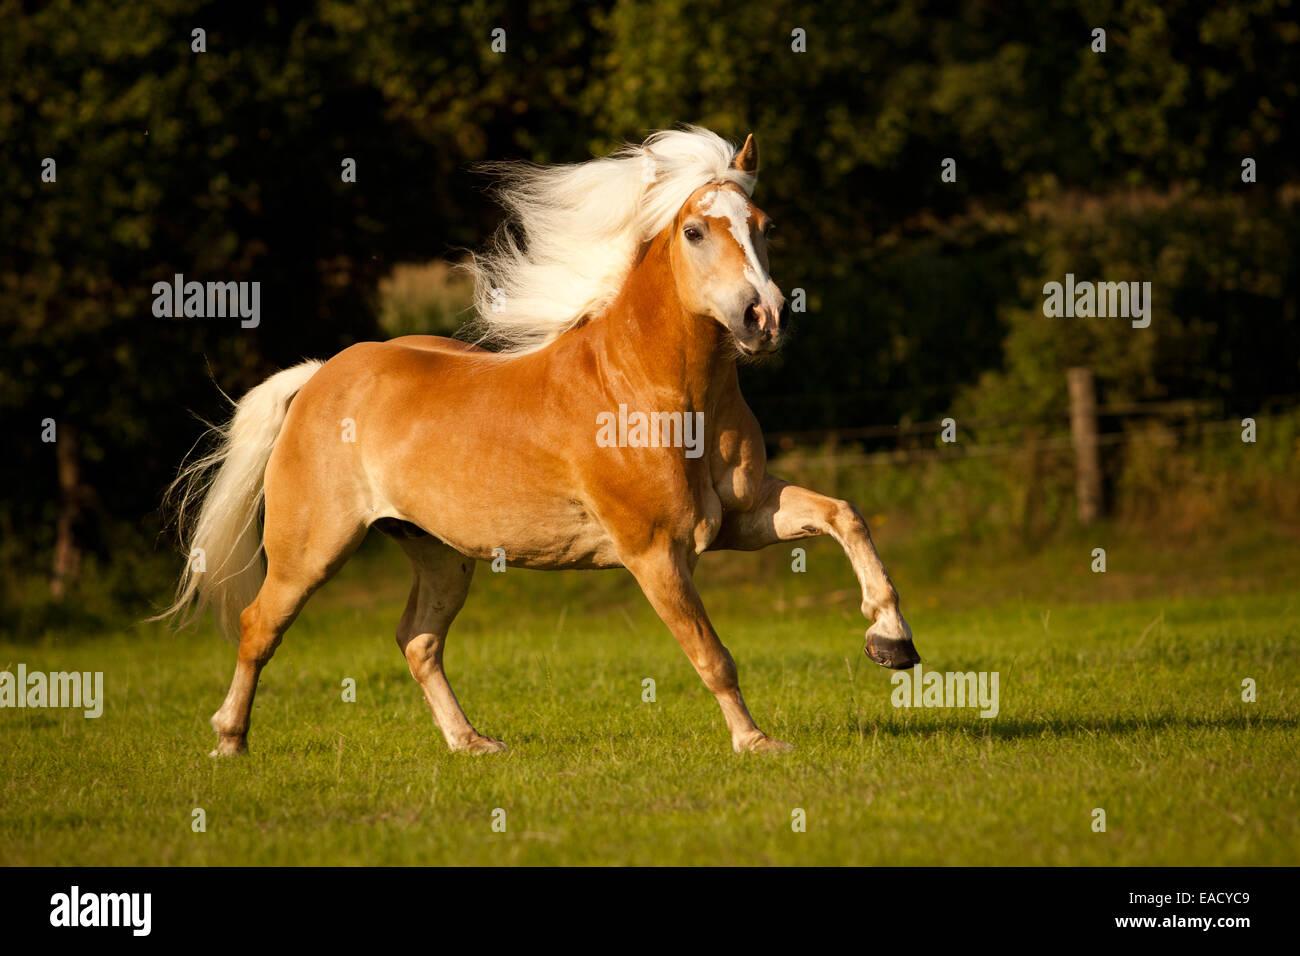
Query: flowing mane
[{"x": 572, "y": 232}]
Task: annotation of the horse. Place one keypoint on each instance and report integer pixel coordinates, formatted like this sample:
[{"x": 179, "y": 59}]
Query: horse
[{"x": 637, "y": 280}]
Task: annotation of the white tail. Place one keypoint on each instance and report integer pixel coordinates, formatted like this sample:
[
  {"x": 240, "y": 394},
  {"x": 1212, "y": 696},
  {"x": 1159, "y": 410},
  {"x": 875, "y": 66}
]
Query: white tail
[{"x": 223, "y": 546}]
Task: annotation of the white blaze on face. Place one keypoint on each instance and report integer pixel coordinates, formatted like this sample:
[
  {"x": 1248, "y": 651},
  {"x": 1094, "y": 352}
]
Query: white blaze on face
[{"x": 730, "y": 205}]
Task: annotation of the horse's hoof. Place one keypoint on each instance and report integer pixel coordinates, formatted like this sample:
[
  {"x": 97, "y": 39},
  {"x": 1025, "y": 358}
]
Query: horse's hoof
[
  {"x": 769, "y": 745},
  {"x": 231, "y": 747},
  {"x": 483, "y": 745},
  {"x": 897, "y": 653}
]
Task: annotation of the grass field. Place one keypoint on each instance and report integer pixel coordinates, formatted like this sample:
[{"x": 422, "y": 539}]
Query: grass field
[{"x": 1119, "y": 691}]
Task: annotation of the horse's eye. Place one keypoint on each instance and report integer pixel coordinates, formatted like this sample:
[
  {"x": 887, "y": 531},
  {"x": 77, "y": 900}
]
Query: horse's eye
[{"x": 693, "y": 234}]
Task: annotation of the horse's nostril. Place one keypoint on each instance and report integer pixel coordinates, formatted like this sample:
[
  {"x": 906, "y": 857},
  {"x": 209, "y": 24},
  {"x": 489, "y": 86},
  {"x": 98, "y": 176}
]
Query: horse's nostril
[{"x": 751, "y": 316}]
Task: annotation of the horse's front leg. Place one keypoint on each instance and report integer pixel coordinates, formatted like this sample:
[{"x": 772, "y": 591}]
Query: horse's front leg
[
  {"x": 665, "y": 577},
  {"x": 786, "y": 512}
]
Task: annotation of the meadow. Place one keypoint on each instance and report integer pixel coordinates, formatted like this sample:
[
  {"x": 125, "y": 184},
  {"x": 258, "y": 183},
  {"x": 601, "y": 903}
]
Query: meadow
[{"x": 1120, "y": 691}]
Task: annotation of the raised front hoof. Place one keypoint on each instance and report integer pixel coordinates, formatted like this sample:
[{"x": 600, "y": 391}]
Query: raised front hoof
[
  {"x": 897, "y": 653},
  {"x": 231, "y": 747},
  {"x": 480, "y": 745},
  {"x": 765, "y": 745}
]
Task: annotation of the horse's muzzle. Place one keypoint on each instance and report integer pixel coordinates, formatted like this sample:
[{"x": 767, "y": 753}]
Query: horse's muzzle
[{"x": 762, "y": 325}]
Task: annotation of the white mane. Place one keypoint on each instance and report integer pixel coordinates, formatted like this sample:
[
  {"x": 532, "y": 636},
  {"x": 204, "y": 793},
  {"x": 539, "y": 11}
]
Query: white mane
[{"x": 572, "y": 232}]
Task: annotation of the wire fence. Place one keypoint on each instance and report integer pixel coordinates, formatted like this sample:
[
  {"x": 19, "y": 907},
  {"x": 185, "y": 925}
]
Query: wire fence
[{"x": 1179, "y": 419}]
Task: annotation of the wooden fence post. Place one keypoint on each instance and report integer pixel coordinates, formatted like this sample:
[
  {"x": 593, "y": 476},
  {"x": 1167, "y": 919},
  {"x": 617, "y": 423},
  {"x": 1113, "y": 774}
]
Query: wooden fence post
[
  {"x": 1083, "y": 434},
  {"x": 67, "y": 551}
]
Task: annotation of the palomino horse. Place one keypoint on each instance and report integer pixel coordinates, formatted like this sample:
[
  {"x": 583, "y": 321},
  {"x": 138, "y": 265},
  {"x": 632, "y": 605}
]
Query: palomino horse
[{"x": 630, "y": 282}]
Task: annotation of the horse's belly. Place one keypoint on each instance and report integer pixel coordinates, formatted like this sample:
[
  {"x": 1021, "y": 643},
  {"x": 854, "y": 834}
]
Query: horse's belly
[{"x": 550, "y": 535}]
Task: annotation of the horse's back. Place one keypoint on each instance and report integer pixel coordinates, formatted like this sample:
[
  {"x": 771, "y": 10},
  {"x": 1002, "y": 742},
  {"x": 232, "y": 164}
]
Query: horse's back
[
  {"x": 434, "y": 343},
  {"x": 406, "y": 362}
]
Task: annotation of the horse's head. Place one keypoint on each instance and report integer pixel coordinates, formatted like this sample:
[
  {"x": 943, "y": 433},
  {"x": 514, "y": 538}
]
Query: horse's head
[{"x": 719, "y": 256}]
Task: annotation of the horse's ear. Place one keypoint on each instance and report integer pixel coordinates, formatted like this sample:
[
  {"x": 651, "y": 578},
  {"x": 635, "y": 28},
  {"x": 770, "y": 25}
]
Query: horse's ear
[{"x": 747, "y": 159}]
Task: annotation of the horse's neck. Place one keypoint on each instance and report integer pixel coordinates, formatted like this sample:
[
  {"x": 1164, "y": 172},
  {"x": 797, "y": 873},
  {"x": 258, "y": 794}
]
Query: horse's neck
[{"x": 651, "y": 337}]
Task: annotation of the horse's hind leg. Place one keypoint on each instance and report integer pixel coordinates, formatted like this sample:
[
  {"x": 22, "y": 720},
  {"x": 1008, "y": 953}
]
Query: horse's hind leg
[
  {"x": 442, "y": 577},
  {"x": 303, "y": 552},
  {"x": 261, "y": 625}
]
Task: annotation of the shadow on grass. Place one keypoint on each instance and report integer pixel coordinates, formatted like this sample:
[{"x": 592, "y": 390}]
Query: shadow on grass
[{"x": 1016, "y": 728}]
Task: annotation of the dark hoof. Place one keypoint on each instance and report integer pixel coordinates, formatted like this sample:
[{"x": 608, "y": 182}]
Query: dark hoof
[{"x": 896, "y": 653}]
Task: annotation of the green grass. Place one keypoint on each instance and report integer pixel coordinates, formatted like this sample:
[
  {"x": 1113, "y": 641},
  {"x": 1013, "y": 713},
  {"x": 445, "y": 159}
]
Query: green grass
[{"x": 1120, "y": 691}]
